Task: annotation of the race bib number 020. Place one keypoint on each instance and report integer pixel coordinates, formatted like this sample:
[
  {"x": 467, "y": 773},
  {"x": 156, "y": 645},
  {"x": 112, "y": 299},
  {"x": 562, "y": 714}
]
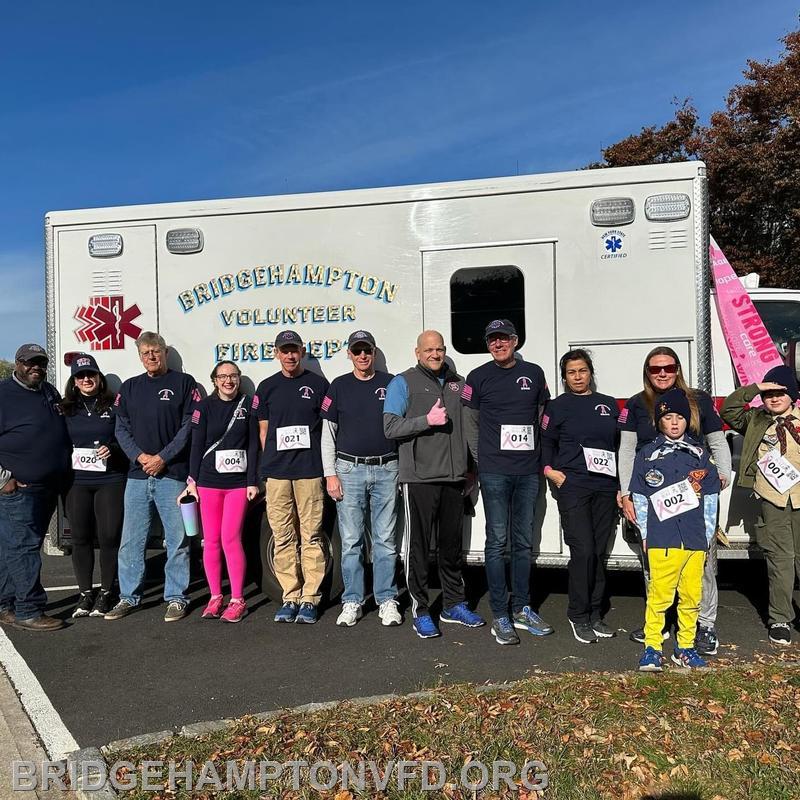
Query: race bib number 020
[
  {"x": 87, "y": 460},
  {"x": 516, "y": 437},
  {"x": 231, "y": 461},
  {"x": 674, "y": 500},
  {"x": 602, "y": 461},
  {"x": 293, "y": 437},
  {"x": 778, "y": 471}
]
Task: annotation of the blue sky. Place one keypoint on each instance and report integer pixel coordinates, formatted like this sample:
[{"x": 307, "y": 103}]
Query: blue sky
[{"x": 119, "y": 103}]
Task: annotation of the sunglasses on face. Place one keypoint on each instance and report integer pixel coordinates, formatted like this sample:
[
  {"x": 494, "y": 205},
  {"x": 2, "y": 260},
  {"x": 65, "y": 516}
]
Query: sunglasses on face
[
  {"x": 85, "y": 376},
  {"x": 357, "y": 351},
  {"x": 670, "y": 369}
]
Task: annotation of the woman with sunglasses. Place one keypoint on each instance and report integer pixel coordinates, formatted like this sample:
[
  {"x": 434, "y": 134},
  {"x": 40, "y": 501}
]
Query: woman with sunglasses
[
  {"x": 661, "y": 372},
  {"x": 94, "y": 501},
  {"x": 222, "y": 476}
]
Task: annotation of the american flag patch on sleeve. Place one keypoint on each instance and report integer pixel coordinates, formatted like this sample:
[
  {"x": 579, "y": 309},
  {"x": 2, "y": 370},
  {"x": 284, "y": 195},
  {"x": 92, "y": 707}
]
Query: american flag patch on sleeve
[
  {"x": 196, "y": 395},
  {"x": 545, "y": 422},
  {"x": 196, "y": 417},
  {"x": 623, "y": 416},
  {"x": 466, "y": 392},
  {"x": 326, "y": 403}
]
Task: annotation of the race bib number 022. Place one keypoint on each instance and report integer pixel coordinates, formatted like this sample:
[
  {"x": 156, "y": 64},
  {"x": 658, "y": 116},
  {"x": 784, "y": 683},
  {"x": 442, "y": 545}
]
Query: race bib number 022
[
  {"x": 293, "y": 437},
  {"x": 673, "y": 500},
  {"x": 603, "y": 462}
]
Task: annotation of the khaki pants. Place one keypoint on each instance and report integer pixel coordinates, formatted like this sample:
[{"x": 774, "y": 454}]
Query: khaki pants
[
  {"x": 778, "y": 535},
  {"x": 299, "y": 557}
]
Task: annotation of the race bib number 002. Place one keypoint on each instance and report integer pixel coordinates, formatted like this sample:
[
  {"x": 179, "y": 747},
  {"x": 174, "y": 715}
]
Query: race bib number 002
[
  {"x": 87, "y": 460},
  {"x": 231, "y": 461},
  {"x": 778, "y": 471},
  {"x": 674, "y": 500},
  {"x": 293, "y": 437},
  {"x": 603, "y": 462},
  {"x": 516, "y": 437}
]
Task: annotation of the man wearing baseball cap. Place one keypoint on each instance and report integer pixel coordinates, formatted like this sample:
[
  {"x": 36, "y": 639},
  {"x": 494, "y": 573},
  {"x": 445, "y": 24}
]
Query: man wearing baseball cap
[
  {"x": 34, "y": 454},
  {"x": 360, "y": 466},
  {"x": 504, "y": 400},
  {"x": 289, "y": 405}
]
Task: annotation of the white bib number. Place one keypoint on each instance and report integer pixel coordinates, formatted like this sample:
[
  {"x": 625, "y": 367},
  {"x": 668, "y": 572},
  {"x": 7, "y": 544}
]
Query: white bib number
[
  {"x": 293, "y": 437},
  {"x": 778, "y": 471},
  {"x": 674, "y": 500},
  {"x": 231, "y": 460},
  {"x": 87, "y": 460},
  {"x": 602, "y": 461},
  {"x": 516, "y": 437}
]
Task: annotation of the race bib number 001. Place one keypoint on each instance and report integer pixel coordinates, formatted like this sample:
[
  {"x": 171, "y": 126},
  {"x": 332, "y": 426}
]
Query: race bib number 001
[
  {"x": 293, "y": 437},
  {"x": 231, "y": 461},
  {"x": 87, "y": 460},
  {"x": 778, "y": 471},
  {"x": 674, "y": 500},
  {"x": 603, "y": 462},
  {"x": 516, "y": 437}
]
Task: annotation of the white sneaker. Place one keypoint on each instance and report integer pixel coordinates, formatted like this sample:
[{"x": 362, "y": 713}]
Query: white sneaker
[
  {"x": 351, "y": 613},
  {"x": 389, "y": 613}
]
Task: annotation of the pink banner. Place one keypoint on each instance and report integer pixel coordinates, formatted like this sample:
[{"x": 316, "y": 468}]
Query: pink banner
[{"x": 750, "y": 346}]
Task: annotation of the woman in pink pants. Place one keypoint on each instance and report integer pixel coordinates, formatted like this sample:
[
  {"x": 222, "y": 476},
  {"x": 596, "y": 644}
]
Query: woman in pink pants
[{"x": 222, "y": 475}]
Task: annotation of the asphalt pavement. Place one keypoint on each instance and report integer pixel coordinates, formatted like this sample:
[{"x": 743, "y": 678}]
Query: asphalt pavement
[{"x": 112, "y": 680}]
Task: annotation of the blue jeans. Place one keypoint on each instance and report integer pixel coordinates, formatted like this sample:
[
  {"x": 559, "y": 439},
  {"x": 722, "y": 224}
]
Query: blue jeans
[
  {"x": 368, "y": 490},
  {"x": 24, "y": 517},
  {"x": 507, "y": 496},
  {"x": 142, "y": 499}
]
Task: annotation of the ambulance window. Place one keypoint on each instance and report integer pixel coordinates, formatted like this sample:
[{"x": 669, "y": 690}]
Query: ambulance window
[
  {"x": 480, "y": 294},
  {"x": 782, "y": 319}
]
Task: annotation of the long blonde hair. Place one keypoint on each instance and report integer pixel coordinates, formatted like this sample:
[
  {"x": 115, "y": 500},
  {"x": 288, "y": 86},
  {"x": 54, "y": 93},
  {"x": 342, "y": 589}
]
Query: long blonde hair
[{"x": 650, "y": 393}]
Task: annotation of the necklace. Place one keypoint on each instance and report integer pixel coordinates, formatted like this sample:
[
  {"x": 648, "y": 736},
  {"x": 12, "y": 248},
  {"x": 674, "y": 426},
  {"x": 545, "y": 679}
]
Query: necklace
[{"x": 89, "y": 410}]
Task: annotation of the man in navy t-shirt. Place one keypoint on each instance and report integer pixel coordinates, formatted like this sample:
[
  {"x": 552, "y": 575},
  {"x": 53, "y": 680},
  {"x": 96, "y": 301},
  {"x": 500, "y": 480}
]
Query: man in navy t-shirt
[
  {"x": 154, "y": 411},
  {"x": 504, "y": 400},
  {"x": 288, "y": 417},
  {"x": 360, "y": 466}
]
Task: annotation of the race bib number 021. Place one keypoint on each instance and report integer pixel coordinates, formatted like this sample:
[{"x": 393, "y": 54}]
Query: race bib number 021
[
  {"x": 673, "y": 500},
  {"x": 516, "y": 437},
  {"x": 603, "y": 462},
  {"x": 778, "y": 471},
  {"x": 231, "y": 461},
  {"x": 293, "y": 437},
  {"x": 87, "y": 460}
]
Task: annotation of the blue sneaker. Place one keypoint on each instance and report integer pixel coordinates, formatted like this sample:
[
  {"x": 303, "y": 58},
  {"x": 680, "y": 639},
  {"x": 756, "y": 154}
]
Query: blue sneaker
[
  {"x": 287, "y": 612},
  {"x": 503, "y": 631},
  {"x": 425, "y": 627},
  {"x": 651, "y": 661},
  {"x": 529, "y": 620},
  {"x": 688, "y": 658},
  {"x": 306, "y": 614},
  {"x": 461, "y": 614}
]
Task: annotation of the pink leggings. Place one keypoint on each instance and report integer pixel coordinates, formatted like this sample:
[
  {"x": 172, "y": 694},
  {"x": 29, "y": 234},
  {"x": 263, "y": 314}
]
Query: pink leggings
[{"x": 222, "y": 512}]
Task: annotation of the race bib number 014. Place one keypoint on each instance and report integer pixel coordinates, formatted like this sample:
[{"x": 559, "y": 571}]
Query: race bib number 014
[
  {"x": 231, "y": 461},
  {"x": 603, "y": 462},
  {"x": 674, "y": 500},
  {"x": 87, "y": 460},
  {"x": 516, "y": 437},
  {"x": 293, "y": 437},
  {"x": 778, "y": 471}
]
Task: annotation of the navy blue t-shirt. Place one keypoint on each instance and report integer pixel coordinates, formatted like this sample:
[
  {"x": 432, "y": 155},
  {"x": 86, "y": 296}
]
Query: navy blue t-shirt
[
  {"x": 210, "y": 422},
  {"x": 87, "y": 426},
  {"x": 286, "y": 403},
  {"x": 634, "y": 417},
  {"x": 506, "y": 397},
  {"x": 572, "y": 422},
  {"x": 356, "y": 406}
]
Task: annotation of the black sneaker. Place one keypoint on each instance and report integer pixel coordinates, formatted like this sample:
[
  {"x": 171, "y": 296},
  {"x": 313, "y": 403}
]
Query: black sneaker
[
  {"x": 85, "y": 605},
  {"x": 638, "y": 635},
  {"x": 602, "y": 630},
  {"x": 780, "y": 633},
  {"x": 103, "y": 604},
  {"x": 583, "y": 632},
  {"x": 706, "y": 642}
]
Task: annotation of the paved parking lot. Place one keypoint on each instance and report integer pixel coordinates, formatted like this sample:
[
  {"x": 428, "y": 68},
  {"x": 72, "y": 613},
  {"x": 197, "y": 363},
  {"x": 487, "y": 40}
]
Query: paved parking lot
[{"x": 111, "y": 680}]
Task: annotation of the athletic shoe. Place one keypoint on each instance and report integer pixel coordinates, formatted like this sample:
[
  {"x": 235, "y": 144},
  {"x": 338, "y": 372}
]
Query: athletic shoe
[
  {"x": 235, "y": 611},
  {"x": 287, "y": 612},
  {"x": 120, "y": 610},
  {"x": 425, "y": 627},
  {"x": 503, "y": 631},
  {"x": 214, "y": 608},
  {"x": 583, "y": 632},
  {"x": 602, "y": 630},
  {"x": 706, "y": 642},
  {"x": 688, "y": 658},
  {"x": 638, "y": 636},
  {"x": 389, "y": 613},
  {"x": 351, "y": 613},
  {"x": 651, "y": 661},
  {"x": 780, "y": 633},
  {"x": 85, "y": 605},
  {"x": 103, "y": 604},
  {"x": 460, "y": 614},
  {"x": 306, "y": 614},
  {"x": 529, "y": 620},
  {"x": 175, "y": 611}
]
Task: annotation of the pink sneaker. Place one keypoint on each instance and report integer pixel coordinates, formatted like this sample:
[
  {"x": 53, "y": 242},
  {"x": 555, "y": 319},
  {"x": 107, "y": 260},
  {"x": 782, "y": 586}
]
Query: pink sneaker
[
  {"x": 213, "y": 609},
  {"x": 235, "y": 611}
]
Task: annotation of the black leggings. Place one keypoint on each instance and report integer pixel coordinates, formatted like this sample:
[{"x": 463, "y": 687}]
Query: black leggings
[{"x": 90, "y": 509}]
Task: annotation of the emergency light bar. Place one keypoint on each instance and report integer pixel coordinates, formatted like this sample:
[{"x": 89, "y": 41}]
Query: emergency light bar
[
  {"x": 612, "y": 211},
  {"x": 667, "y": 207},
  {"x": 105, "y": 245},
  {"x": 184, "y": 240}
]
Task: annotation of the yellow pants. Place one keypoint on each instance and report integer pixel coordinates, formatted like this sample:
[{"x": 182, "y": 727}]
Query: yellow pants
[
  {"x": 671, "y": 570},
  {"x": 300, "y": 574}
]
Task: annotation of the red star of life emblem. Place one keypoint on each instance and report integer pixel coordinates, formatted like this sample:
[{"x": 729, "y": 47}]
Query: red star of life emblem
[{"x": 105, "y": 322}]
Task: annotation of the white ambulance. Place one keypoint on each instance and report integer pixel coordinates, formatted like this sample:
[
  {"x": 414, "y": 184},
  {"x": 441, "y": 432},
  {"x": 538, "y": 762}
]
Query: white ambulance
[{"x": 614, "y": 260}]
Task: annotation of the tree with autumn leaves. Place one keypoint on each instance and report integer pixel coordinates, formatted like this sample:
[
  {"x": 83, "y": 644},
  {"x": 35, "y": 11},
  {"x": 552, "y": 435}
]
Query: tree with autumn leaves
[{"x": 752, "y": 151}]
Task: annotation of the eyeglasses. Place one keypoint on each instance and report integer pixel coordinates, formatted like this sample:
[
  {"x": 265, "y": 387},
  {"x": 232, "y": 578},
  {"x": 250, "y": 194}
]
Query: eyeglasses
[
  {"x": 223, "y": 378},
  {"x": 150, "y": 353},
  {"x": 357, "y": 351},
  {"x": 670, "y": 369}
]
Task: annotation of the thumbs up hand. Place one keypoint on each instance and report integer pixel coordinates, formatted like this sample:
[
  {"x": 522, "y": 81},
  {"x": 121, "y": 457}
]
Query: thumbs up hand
[{"x": 437, "y": 415}]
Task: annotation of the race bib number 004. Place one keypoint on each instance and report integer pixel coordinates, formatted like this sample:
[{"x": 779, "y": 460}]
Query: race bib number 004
[
  {"x": 231, "y": 461},
  {"x": 602, "y": 461},
  {"x": 516, "y": 437},
  {"x": 87, "y": 460},
  {"x": 293, "y": 437},
  {"x": 778, "y": 471},
  {"x": 674, "y": 500}
]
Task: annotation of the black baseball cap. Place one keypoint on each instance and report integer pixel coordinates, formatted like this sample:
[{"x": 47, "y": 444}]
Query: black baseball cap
[
  {"x": 83, "y": 362},
  {"x": 500, "y": 326},
  {"x": 27, "y": 352},
  {"x": 288, "y": 337},
  {"x": 360, "y": 336}
]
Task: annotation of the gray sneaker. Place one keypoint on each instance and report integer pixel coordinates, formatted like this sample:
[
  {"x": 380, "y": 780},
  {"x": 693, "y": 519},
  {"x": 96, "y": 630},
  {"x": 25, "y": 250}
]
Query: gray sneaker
[
  {"x": 583, "y": 632},
  {"x": 503, "y": 631},
  {"x": 602, "y": 630},
  {"x": 175, "y": 611},
  {"x": 120, "y": 610}
]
